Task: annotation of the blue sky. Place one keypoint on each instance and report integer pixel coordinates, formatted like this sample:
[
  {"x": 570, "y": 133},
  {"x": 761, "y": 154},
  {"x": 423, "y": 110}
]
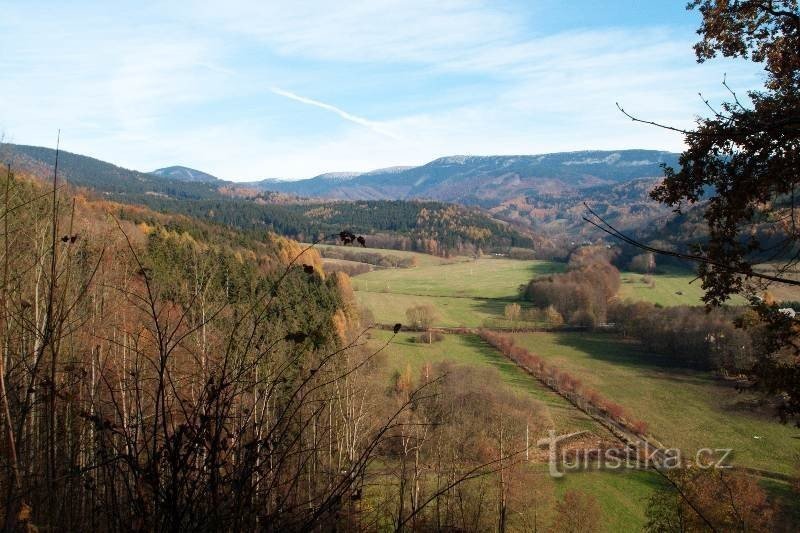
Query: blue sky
[{"x": 249, "y": 90}]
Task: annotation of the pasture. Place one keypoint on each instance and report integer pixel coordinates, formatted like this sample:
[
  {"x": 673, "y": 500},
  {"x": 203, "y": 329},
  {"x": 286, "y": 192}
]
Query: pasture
[
  {"x": 389, "y": 308},
  {"x": 686, "y": 409},
  {"x": 471, "y": 350},
  {"x": 482, "y": 278},
  {"x": 671, "y": 286},
  {"x": 465, "y": 293}
]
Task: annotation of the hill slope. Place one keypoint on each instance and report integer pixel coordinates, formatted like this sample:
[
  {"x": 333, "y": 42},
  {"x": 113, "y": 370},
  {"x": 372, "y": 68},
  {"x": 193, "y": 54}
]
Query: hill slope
[{"x": 85, "y": 171}]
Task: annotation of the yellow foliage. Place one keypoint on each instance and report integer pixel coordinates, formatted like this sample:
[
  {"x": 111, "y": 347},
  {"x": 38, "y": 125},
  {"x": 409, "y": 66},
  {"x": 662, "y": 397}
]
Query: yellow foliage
[
  {"x": 340, "y": 324},
  {"x": 477, "y": 234}
]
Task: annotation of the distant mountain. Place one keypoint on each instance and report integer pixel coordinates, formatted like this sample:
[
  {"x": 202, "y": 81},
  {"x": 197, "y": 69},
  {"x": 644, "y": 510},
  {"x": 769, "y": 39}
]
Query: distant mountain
[
  {"x": 435, "y": 227},
  {"x": 186, "y": 174},
  {"x": 485, "y": 180},
  {"x": 104, "y": 177},
  {"x": 543, "y": 193}
]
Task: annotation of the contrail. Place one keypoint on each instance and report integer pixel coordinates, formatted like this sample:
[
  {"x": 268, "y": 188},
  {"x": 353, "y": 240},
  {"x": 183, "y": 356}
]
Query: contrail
[{"x": 374, "y": 126}]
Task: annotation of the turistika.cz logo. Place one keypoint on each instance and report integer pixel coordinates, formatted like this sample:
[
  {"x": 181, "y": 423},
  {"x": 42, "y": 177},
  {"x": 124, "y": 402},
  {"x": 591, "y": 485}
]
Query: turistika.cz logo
[{"x": 635, "y": 455}]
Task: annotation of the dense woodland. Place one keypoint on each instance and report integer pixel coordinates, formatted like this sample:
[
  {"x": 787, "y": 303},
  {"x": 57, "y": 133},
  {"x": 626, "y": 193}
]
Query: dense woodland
[
  {"x": 725, "y": 339},
  {"x": 429, "y": 227}
]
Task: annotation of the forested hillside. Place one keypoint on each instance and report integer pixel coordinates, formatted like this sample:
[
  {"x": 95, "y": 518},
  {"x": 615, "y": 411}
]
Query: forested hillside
[
  {"x": 433, "y": 227},
  {"x": 430, "y": 227},
  {"x": 161, "y": 372},
  {"x": 104, "y": 177}
]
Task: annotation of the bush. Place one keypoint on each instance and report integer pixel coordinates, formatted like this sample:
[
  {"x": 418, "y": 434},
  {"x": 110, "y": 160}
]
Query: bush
[
  {"x": 421, "y": 316},
  {"x": 643, "y": 263},
  {"x": 639, "y": 427},
  {"x": 512, "y": 312},
  {"x": 521, "y": 253},
  {"x": 577, "y": 512},
  {"x": 553, "y": 317},
  {"x": 429, "y": 337},
  {"x": 583, "y": 318}
]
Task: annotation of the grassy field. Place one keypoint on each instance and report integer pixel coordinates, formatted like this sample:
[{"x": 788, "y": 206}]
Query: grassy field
[
  {"x": 470, "y": 292},
  {"x": 422, "y": 259},
  {"x": 685, "y": 409},
  {"x": 709, "y": 414},
  {"x": 497, "y": 278},
  {"x": 465, "y": 293},
  {"x": 483, "y": 278},
  {"x": 668, "y": 283},
  {"x": 622, "y": 494},
  {"x": 389, "y": 308}
]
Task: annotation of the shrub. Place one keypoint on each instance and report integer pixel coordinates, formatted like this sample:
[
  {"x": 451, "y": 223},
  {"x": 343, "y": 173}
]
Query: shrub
[
  {"x": 583, "y": 318},
  {"x": 553, "y": 317},
  {"x": 614, "y": 410},
  {"x": 639, "y": 427},
  {"x": 421, "y": 316},
  {"x": 512, "y": 312},
  {"x": 643, "y": 263},
  {"x": 429, "y": 337},
  {"x": 578, "y": 511}
]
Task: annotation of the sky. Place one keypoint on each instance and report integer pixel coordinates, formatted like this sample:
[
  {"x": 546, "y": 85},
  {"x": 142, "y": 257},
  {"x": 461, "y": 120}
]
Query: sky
[{"x": 252, "y": 90}]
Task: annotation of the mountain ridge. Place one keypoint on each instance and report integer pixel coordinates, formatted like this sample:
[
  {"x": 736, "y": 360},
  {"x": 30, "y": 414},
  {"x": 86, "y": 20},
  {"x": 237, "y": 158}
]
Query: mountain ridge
[
  {"x": 484, "y": 180},
  {"x": 544, "y": 193},
  {"x": 469, "y": 179}
]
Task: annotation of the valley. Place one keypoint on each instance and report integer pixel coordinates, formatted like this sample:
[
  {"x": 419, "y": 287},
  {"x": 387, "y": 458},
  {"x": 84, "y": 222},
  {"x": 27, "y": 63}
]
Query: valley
[
  {"x": 468, "y": 293},
  {"x": 400, "y": 267},
  {"x": 450, "y": 274}
]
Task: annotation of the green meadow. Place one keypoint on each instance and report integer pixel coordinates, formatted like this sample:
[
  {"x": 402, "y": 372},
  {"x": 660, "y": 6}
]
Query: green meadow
[
  {"x": 481, "y": 278},
  {"x": 465, "y": 293},
  {"x": 686, "y": 409},
  {"x": 471, "y": 350},
  {"x": 389, "y": 308},
  {"x": 671, "y": 286}
]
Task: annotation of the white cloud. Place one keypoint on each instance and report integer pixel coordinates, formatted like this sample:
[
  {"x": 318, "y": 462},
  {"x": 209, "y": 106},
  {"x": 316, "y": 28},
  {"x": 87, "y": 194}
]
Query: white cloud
[
  {"x": 378, "y": 30},
  {"x": 370, "y": 124},
  {"x": 147, "y": 88}
]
